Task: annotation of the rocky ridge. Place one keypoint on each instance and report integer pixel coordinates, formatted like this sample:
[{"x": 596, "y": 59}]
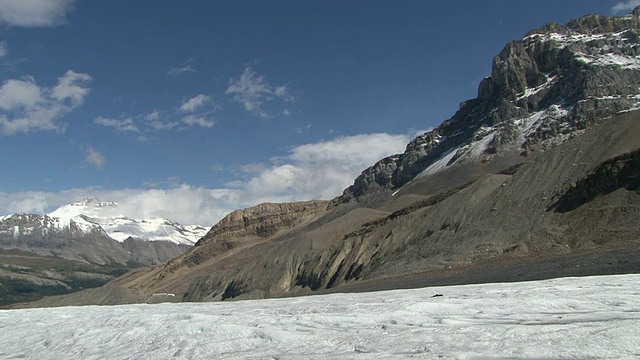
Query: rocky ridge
[
  {"x": 243, "y": 228},
  {"x": 263, "y": 220},
  {"x": 548, "y": 87}
]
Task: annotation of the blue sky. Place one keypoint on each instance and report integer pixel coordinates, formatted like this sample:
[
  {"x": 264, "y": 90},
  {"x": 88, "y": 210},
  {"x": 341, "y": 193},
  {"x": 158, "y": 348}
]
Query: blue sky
[{"x": 190, "y": 109}]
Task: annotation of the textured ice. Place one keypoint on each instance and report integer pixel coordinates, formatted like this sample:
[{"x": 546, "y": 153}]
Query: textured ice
[{"x": 577, "y": 318}]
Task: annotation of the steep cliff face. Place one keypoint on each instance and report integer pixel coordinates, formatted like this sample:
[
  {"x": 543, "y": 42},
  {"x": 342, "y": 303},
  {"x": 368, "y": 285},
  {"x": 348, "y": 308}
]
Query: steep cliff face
[
  {"x": 543, "y": 89},
  {"x": 248, "y": 227},
  {"x": 263, "y": 220}
]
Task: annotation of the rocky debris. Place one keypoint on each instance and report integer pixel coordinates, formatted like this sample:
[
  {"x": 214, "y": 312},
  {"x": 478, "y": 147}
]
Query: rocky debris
[{"x": 544, "y": 89}]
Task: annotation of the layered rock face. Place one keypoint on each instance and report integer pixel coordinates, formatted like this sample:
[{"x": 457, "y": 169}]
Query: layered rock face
[
  {"x": 547, "y": 87},
  {"x": 248, "y": 227},
  {"x": 236, "y": 232},
  {"x": 263, "y": 220}
]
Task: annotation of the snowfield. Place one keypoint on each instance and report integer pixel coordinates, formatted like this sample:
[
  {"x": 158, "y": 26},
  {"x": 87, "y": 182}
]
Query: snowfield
[{"x": 591, "y": 317}]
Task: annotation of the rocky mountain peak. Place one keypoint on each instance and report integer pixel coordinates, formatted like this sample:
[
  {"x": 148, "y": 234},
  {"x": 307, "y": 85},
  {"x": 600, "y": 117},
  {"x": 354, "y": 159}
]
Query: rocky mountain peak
[
  {"x": 543, "y": 89},
  {"x": 94, "y": 216}
]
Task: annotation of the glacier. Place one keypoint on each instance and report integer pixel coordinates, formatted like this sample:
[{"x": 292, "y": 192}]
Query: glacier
[{"x": 588, "y": 317}]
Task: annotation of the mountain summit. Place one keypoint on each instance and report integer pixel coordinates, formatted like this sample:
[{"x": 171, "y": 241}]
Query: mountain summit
[
  {"x": 544, "y": 89},
  {"x": 91, "y": 230},
  {"x": 93, "y": 213},
  {"x": 82, "y": 245}
]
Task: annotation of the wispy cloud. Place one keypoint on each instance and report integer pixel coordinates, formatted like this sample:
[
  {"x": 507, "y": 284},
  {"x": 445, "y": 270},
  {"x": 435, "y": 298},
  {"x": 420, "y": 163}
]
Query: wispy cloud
[
  {"x": 252, "y": 91},
  {"x": 195, "y": 103},
  {"x": 200, "y": 109},
  {"x": 202, "y": 121},
  {"x": 196, "y": 111},
  {"x": 156, "y": 121},
  {"x": 625, "y": 6},
  {"x": 121, "y": 125},
  {"x": 182, "y": 69},
  {"x": 25, "y": 106},
  {"x": 94, "y": 158},
  {"x": 155, "y": 115},
  {"x": 34, "y": 13},
  {"x": 71, "y": 87}
]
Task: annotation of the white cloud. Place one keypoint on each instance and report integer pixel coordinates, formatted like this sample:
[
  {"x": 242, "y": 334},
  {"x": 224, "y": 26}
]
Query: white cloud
[
  {"x": 202, "y": 121},
  {"x": 320, "y": 170},
  {"x": 94, "y": 158},
  {"x": 177, "y": 71},
  {"x": 72, "y": 87},
  {"x": 196, "y": 111},
  {"x": 312, "y": 171},
  {"x": 155, "y": 115},
  {"x": 120, "y": 125},
  {"x": 284, "y": 93},
  {"x": 25, "y": 106},
  {"x": 24, "y": 202},
  {"x": 181, "y": 69},
  {"x": 161, "y": 125},
  {"x": 34, "y": 13},
  {"x": 16, "y": 94},
  {"x": 200, "y": 108},
  {"x": 625, "y": 6},
  {"x": 155, "y": 120},
  {"x": 184, "y": 203},
  {"x": 252, "y": 91},
  {"x": 195, "y": 103}
]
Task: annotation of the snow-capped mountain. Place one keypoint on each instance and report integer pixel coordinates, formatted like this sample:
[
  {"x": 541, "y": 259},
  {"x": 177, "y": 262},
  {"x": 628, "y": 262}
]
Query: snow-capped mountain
[
  {"x": 94, "y": 231},
  {"x": 91, "y": 213}
]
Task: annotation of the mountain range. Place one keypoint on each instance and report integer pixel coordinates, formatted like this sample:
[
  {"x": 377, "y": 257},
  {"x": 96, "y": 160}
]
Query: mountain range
[
  {"x": 538, "y": 176},
  {"x": 86, "y": 235}
]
